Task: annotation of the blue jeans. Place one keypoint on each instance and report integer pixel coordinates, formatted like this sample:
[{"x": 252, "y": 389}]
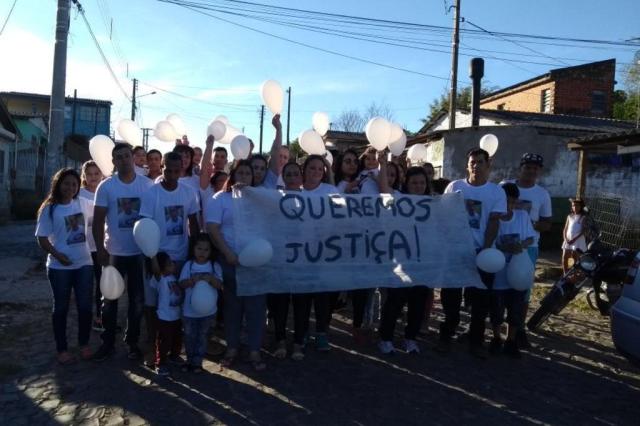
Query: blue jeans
[
  {"x": 131, "y": 268},
  {"x": 252, "y": 308},
  {"x": 62, "y": 282},
  {"x": 195, "y": 338}
]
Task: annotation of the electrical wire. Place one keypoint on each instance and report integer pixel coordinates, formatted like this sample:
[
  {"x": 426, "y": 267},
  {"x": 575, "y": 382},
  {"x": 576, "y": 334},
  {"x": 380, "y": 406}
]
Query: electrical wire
[{"x": 8, "y": 16}]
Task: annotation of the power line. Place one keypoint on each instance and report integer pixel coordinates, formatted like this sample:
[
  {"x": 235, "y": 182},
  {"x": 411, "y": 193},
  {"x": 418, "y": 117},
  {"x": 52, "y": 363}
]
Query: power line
[
  {"x": 241, "y": 107},
  {"x": 8, "y": 16}
]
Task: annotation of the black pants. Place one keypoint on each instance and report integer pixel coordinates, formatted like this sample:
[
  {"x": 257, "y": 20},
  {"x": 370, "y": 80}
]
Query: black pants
[
  {"x": 279, "y": 311},
  {"x": 302, "y": 311},
  {"x": 359, "y": 301},
  {"x": 451, "y": 299},
  {"x": 97, "y": 273},
  {"x": 416, "y": 299},
  {"x": 131, "y": 268}
]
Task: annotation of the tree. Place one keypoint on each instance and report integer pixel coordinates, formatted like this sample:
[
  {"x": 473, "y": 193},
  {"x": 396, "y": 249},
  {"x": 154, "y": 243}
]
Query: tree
[
  {"x": 463, "y": 101},
  {"x": 625, "y": 105},
  {"x": 295, "y": 150},
  {"x": 352, "y": 120}
]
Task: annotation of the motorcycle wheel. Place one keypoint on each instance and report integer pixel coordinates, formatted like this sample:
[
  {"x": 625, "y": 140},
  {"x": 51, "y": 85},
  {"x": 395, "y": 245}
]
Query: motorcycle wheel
[{"x": 551, "y": 301}]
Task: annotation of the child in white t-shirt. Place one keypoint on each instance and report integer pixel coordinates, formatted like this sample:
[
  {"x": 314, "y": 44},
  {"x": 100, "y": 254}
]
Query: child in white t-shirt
[
  {"x": 170, "y": 298},
  {"x": 199, "y": 267},
  {"x": 515, "y": 235}
]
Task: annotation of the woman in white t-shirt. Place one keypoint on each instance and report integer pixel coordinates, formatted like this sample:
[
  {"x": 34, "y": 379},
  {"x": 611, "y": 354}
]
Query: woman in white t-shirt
[
  {"x": 90, "y": 178},
  {"x": 61, "y": 217},
  {"x": 347, "y": 170},
  {"x": 220, "y": 226},
  {"x": 574, "y": 240}
]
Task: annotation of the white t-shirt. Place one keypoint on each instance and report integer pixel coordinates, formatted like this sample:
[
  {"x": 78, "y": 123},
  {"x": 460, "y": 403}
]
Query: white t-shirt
[
  {"x": 219, "y": 210},
  {"x": 516, "y": 230},
  {"x": 322, "y": 189},
  {"x": 170, "y": 297},
  {"x": 66, "y": 230},
  {"x": 171, "y": 210},
  {"x": 480, "y": 202},
  {"x": 270, "y": 180},
  {"x": 192, "y": 182},
  {"x": 123, "y": 202},
  {"x": 368, "y": 183},
  {"x": 537, "y": 202},
  {"x": 192, "y": 269},
  {"x": 91, "y": 197}
]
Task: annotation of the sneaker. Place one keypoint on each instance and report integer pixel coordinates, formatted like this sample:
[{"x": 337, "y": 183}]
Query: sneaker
[
  {"x": 443, "y": 346},
  {"x": 322, "y": 343},
  {"x": 411, "y": 346},
  {"x": 495, "y": 347},
  {"x": 297, "y": 354},
  {"x": 522, "y": 340},
  {"x": 163, "y": 371},
  {"x": 511, "y": 349},
  {"x": 281, "y": 350},
  {"x": 478, "y": 351},
  {"x": 176, "y": 360},
  {"x": 386, "y": 347},
  {"x": 134, "y": 352},
  {"x": 97, "y": 325},
  {"x": 103, "y": 353},
  {"x": 86, "y": 353}
]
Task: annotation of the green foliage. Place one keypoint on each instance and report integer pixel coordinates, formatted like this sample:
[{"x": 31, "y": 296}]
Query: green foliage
[{"x": 625, "y": 105}]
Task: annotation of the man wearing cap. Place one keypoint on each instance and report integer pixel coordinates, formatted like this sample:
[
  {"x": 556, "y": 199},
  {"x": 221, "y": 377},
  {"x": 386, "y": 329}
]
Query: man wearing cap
[{"x": 537, "y": 202}]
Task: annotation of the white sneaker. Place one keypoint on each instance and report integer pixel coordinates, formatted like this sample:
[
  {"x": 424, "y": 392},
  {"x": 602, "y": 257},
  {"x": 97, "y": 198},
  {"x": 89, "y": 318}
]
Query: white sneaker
[
  {"x": 386, "y": 347},
  {"x": 411, "y": 346}
]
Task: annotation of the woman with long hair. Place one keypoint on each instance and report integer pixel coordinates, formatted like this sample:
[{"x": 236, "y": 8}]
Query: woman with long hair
[
  {"x": 347, "y": 168},
  {"x": 220, "y": 226},
  {"x": 61, "y": 232}
]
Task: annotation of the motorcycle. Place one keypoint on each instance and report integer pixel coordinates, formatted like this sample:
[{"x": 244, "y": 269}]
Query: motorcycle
[{"x": 602, "y": 268}]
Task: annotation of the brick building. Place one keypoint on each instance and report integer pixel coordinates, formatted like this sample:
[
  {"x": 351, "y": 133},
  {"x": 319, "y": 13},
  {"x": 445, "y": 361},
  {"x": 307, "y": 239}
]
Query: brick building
[{"x": 585, "y": 90}]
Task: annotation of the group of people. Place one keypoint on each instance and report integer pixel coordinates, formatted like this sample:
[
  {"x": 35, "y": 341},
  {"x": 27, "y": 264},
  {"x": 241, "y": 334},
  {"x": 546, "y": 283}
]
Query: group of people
[{"x": 86, "y": 222}]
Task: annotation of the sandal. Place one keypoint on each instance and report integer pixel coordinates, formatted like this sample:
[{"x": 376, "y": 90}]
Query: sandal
[
  {"x": 229, "y": 358},
  {"x": 256, "y": 361},
  {"x": 66, "y": 358},
  {"x": 86, "y": 353}
]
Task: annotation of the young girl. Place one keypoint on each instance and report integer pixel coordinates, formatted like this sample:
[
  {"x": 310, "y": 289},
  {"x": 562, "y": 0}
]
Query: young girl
[
  {"x": 170, "y": 297},
  {"x": 369, "y": 172},
  {"x": 61, "y": 232},
  {"x": 574, "y": 238},
  {"x": 90, "y": 178},
  {"x": 347, "y": 169},
  {"x": 199, "y": 267},
  {"x": 417, "y": 183}
]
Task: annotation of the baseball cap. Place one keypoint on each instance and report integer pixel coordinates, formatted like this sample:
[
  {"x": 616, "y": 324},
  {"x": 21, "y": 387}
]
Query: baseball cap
[{"x": 530, "y": 158}]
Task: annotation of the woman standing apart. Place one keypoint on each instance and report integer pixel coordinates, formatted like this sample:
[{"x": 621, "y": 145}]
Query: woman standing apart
[
  {"x": 61, "y": 232},
  {"x": 574, "y": 240}
]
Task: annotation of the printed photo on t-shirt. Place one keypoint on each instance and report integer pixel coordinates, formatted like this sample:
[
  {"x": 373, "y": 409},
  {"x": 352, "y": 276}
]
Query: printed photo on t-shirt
[
  {"x": 509, "y": 239},
  {"x": 128, "y": 212},
  {"x": 523, "y": 205},
  {"x": 74, "y": 224},
  {"x": 174, "y": 220},
  {"x": 474, "y": 210},
  {"x": 176, "y": 296}
]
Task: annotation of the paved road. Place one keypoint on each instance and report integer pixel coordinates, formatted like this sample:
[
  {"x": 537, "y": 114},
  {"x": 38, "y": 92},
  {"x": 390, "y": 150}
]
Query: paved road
[{"x": 571, "y": 376}]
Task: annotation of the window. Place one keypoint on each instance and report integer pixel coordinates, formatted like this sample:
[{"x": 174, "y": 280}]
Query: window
[
  {"x": 545, "y": 100},
  {"x": 86, "y": 113},
  {"x": 102, "y": 114},
  {"x": 500, "y": 107},
  {"x": 598, "y": 102},
  {"x": 68, "y": 112}
]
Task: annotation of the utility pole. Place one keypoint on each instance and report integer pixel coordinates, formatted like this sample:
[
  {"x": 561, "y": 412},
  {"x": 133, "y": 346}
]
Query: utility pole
[
  {"x": 261, "y": 126},
  {"x": 133, "y": 99},
  {"x": 145, "y": 138},
  {"x": 56, "y": 106},
  {"x": 454, "y": 67},
  {"x": 288, "y": 113}
]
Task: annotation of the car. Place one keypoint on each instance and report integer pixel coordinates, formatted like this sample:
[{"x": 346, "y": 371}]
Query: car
[{"x": 625, "y": 316}]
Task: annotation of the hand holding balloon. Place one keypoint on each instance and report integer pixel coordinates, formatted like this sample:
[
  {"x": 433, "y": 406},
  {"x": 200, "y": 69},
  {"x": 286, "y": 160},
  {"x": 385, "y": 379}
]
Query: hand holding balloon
[{"x": 275, "y": 121}]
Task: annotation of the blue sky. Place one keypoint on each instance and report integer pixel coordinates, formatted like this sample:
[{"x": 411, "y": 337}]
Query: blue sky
[{"x": 222, "y": 65}]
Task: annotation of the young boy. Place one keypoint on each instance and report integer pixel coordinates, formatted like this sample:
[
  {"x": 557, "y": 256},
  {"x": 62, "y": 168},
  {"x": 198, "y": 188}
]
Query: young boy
[{"x": 515, "y": 234}]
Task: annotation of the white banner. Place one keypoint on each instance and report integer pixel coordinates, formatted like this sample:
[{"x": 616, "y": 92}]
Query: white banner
[{"x": 340, "y": 242}]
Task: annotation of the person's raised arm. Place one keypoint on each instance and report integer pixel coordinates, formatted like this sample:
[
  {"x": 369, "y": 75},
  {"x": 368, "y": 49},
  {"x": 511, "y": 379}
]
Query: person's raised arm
[
  {"x": 274, "y": 156},
  {"x": 382, "y": 179},
  {"x": 99, "y": 215},
  {"x": 205, "y": 164}
]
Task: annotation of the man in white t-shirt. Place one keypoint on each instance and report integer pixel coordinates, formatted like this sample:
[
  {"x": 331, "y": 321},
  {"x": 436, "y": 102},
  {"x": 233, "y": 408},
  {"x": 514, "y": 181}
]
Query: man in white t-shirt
[
  {"x": 117, "y": 205},
  {"x": 485, "y": 202},
  {"x": 536, "y": 201}
]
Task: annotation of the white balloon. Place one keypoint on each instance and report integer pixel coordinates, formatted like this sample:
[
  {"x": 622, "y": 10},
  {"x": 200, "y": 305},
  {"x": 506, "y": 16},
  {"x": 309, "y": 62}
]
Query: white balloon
[
  {"x": 204, "y": 298},
  {"x": 378, "y": 131},
  {"x": 229, "y": 134},
  {"x": 130, "y": 132},
  {"x": 240, "y": 147},
  {"x": 217, "y": 129},
  {"x": 100, "y": 147},
  {"x": 223, "y": 119},
  {"x": 272, "y": 96},
  {"x": 320, "y": 121},
  {"x": 520, "y": 272},
  {"x": 146, "y": 233},
  {"x": 489, "y": 143},
  {"x": 165, "y": 132},
  {"x": 397, "y": 140},
  {"x": 311, "y": 142},
  {"x": 329, "y": 157},
  {"x": 490, "y": 260},
  {"x": 417, "y": 153},
  {"x": 111, "y": 283},
  {"x": 177, "y": 124},
  {"x": 257, "y": 253}
]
